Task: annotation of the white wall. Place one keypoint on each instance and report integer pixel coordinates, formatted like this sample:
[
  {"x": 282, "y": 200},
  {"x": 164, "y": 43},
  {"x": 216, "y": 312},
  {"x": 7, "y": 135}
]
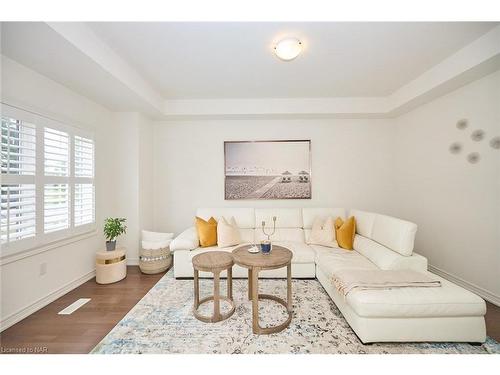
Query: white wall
[
  {"x": 146, "y": 175},
  {"x": 456, "y": 204},
  {"x": 23, "y": 289},
  {"x": 130, "y": 151},
  {"x": 351, "y": 164}
]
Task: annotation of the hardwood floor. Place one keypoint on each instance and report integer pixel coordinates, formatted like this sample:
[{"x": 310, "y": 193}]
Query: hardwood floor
[
  {"x": 47, "y": 332},
  {"x": 493, "y": 321}
]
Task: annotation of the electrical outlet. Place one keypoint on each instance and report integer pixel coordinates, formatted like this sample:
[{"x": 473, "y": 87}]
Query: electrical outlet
[{"x": 43, "y": 268}]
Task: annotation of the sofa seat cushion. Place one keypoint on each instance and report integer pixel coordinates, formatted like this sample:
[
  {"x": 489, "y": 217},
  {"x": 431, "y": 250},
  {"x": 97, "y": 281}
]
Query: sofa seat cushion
[
  {"x": 445, "y": 301},
  {"x": 320, "y": 250},
  {"x": 302, "y": 253},
  {"x": 330, "y": 260}
]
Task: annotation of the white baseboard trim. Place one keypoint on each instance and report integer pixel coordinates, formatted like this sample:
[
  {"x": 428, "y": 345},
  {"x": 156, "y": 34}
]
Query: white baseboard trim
[
  {"x": 486, "y": 294},
  {"x": 42, "y": 302}
]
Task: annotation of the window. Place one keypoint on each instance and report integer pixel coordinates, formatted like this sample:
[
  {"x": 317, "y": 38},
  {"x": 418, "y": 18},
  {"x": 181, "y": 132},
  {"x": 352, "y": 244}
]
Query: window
[
  {"x": 84, "y": 204},
  {"x": 18, "y": 216},
  {"x": 84, "y": 157},
  {"x": 47, "y": 190},
  {"x": 56, "y": 149},
  {"x": 56, "y": 207},
  {"x": 18, "y": 212},
  {"x": 18, "y": 147}
]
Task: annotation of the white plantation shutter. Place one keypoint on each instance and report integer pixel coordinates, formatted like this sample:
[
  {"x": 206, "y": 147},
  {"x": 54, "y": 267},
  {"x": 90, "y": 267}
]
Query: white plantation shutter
[
  {"x": 84, "y": 204},
  {"x": 18, "y": 212},
  {"x": 18, "y": 147},
  {"x": 56, "y": 150},
  {"x": 47, "y": 184},
  {"x": 84, "y": 157},
  {"x": 56, "y": 207}
]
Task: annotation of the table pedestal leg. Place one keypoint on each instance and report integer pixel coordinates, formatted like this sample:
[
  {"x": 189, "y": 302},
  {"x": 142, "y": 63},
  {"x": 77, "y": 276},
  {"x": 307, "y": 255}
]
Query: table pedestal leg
[
  {"x": 216, "y": 315},
  {"x": 230, "y": 283},
  {"x": 253, "y": 288},
  {"x": 289, "y": 287},
  {"x": 255, "y": 300},
  {"x": 250, "y": 295},
  {"x": 196, "y": 290}
]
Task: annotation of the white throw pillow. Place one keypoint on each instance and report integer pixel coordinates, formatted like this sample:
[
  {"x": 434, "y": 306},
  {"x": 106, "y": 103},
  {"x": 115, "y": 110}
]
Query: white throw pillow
[
  {"x": 228, "y": 234},
  {"x": 323, "y": 233}
]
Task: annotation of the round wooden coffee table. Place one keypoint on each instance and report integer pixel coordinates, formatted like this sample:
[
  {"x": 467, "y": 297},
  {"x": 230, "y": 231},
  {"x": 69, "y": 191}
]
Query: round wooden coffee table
[
  {"x": 279, "y": 257},
  {"x": 215, "y": 262}
]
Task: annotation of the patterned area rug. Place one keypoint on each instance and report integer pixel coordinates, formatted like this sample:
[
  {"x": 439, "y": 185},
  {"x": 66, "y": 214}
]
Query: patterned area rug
[{"x": 162, "y": 322}]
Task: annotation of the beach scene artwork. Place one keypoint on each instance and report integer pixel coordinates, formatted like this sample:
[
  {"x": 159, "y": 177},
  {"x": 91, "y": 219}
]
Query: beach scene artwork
[{"x": 267, "y": 169}]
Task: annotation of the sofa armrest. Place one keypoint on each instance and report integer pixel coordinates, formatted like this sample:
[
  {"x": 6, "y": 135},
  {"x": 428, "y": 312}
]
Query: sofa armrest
[
  {"x": 414, "y": 262},
  {"x": 187, "y": 240}
]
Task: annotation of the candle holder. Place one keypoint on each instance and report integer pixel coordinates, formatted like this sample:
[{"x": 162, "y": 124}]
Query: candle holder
[{"x": 266, "y": 246}]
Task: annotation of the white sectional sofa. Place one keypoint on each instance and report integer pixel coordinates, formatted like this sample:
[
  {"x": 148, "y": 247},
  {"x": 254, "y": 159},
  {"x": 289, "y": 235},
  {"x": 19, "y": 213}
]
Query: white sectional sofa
[{"x": 447, "y": 313}]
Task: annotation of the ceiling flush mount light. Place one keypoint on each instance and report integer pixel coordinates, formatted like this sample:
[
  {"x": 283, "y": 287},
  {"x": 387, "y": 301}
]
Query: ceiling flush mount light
[{"x": 288, "y": 49}]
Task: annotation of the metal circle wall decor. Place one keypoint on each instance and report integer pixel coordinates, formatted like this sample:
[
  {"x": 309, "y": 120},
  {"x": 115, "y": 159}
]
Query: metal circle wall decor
[
  {"x": 473, "y": 157},
  {"x": 455, "y": 148},
  {"x": 462, "y": 124},
  {"x": 477, "y": 135},
  {"x": 495, "y": 143}
]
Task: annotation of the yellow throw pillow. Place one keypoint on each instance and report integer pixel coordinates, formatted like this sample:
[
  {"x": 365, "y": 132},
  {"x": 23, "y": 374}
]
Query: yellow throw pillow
[
  {"x": 207, "y": 231},
  {"x": 345, "y": 231}
]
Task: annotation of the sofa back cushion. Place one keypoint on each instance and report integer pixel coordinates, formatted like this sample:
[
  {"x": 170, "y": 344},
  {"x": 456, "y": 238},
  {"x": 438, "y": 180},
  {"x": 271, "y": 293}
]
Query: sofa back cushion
[
  {"x": 282, "y": 234},
  {"x": 364, "y": 222},
  {"x": 244, "y": 217},
  {"x": 285, "y": 217},
  {"x": 309, "y": 214},
  {"x": 247, "y": 235},
  {"x": 386, "y": 259},
  {"x": 378, "y": 254},
  {"x": 395, "y": 234}
]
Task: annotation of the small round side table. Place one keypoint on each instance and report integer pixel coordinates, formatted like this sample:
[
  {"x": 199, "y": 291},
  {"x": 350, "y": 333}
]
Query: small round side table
[
  {"x": 215, "y": 262},
  {"x": 279, "y": 257},
  {"x": 110, "y": 266}
]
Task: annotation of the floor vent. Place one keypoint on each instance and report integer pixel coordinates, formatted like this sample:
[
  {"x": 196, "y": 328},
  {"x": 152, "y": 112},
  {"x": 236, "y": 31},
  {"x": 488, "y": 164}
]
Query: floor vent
[{"x": 74, "y": 306}]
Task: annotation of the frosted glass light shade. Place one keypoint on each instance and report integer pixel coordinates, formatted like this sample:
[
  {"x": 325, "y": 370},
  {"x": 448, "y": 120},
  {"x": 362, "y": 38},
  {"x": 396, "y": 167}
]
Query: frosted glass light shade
[{"x": 288, "y": 49}]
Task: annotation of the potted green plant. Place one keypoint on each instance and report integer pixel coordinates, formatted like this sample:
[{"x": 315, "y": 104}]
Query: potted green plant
[{"x": 113, "y": 227}]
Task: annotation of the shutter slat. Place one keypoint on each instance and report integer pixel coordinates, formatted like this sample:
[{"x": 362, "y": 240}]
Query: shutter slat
[
  {"x": 84, "y": 204},
  {"x": 18, "y": 147},
  {"x": 56, "y": 204},
  {"x": 84, "y": 157},
  {"x": 56, "y": 152},
  {"x": 18, "y": 212}
]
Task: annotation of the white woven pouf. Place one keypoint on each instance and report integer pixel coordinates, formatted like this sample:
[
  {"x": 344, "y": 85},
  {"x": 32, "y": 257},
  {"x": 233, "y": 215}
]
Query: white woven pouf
[{"x": 155, "y": 256}]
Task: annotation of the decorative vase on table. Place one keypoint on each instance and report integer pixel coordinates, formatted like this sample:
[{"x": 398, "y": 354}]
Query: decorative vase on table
[{"x": 266, "y": 246}]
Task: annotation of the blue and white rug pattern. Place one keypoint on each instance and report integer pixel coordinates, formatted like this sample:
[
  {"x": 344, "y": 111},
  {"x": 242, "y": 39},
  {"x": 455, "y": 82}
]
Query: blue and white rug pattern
[{"x": 162, "y": 322}]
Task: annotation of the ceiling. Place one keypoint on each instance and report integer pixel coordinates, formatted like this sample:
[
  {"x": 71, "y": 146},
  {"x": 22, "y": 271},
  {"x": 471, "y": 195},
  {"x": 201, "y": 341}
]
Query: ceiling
[
  {"x": 235, "y": 60},
  {"x": 177, "y": 70},
  {"x": 39, "y": 47}
]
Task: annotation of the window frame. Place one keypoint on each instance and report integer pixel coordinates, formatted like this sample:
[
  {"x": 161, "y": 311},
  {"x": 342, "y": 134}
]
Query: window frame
[{"x": 39, "y": 179}]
